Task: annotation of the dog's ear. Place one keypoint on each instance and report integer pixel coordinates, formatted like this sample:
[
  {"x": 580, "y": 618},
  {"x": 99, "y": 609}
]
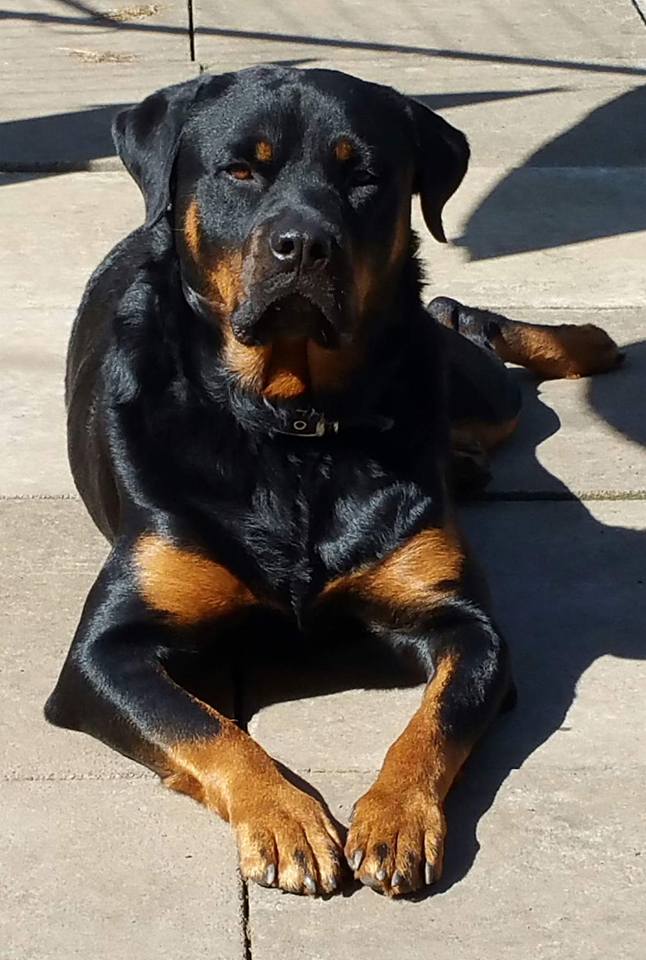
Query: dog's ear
[
  {"x": 442, "y": 160},
  {"x": 147, "y": 137}
]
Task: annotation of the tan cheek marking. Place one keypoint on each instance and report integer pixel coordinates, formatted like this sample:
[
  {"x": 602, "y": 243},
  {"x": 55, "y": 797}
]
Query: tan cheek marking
[
  {"x": 186, "y": 586},
  {"x": 264, "y": 151},
  {"x": 431, "y": 562},
  {"x": 343, "y": 150},
  {"x": 225, "y": 280},
  {"x": 192, "y": 229},
  {"x": 248, "y": 363}
]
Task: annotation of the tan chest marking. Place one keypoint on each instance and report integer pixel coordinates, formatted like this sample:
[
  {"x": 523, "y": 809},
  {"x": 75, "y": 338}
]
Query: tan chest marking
[
  {"x": 185, "y": 585},
  {"x": 287, "y": 373},
  {"x": 430, "y": 563}
]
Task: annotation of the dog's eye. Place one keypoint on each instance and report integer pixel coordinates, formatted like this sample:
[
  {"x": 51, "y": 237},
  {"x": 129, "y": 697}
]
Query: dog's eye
[{"x": 239, "y": 171}]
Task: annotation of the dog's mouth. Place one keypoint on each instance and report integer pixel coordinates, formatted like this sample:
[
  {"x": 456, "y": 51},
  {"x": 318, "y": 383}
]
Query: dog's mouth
[{"x": 292, "y": 317}]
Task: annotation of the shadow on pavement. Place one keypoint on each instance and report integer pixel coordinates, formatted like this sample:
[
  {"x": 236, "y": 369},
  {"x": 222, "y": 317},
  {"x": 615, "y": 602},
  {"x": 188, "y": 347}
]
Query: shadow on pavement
[
  {"x": 64, "y": 142},
  {"x": 565, "y": 590},
  {"x": 510, "y": 220},
  {"x": 91, "y": 16}
]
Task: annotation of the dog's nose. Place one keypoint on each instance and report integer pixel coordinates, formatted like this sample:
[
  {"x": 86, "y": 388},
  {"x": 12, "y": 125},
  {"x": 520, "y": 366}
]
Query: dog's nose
[{"x": 307, "y": 247}]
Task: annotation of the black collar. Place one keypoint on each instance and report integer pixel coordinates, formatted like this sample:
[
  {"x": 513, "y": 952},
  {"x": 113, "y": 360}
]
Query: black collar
[
  {"x": 297, "y": 422},
  {"x": 314, "y": 423}
]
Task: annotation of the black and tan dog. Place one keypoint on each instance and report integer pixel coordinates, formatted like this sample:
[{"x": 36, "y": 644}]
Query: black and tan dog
[{"x": 261, "y": 416}]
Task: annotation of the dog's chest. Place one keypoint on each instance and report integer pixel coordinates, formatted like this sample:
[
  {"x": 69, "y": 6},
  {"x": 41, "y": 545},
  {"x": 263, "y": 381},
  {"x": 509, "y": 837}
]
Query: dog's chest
[{"x": 319, "y": 521}]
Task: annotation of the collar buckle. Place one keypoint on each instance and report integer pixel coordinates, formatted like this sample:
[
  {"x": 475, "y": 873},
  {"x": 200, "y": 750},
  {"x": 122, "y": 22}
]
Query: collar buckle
[{"x": 309, "y": 423}]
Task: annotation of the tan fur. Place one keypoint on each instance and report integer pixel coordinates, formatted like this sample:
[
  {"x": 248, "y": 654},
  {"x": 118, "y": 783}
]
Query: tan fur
[
  {"x": 399, "y": 823},
  {"x": 277, "y": 826},
  {"x": 264, "y": 151},
  {"x": 186, "y": 586},
  {"x": 566, "y": 350},
  {"x": 431, "y": 562},
  {"x": 343, "y": 150},
  {"x": 192, "y": 229},
  {"x": 287, "y": 373},
  {"x": 224, "y": 280}
]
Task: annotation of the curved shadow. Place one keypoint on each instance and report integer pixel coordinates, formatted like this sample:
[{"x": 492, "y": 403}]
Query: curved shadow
[
  {"x": 597, "y": 192},
  {"x": 553, "y": 646},
  {"x": 624, "y": 410}
]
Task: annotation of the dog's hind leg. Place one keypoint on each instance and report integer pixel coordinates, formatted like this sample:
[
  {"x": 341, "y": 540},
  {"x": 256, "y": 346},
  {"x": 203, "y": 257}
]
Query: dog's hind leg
[{"x": 564, "y": 350}]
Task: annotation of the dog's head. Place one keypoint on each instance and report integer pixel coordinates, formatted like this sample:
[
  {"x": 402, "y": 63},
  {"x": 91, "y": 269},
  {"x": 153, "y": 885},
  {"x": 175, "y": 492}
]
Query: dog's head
[{"x": 289, "y": 192}]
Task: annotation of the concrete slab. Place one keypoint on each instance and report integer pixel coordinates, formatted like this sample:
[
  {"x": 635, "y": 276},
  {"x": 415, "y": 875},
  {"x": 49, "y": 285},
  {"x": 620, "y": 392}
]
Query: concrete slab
[
  {"x": 554, "y": 868},
  {"x": 74, "y": 220},
  {"x": 32, "y": 420},
  {"x": 102, "y": 31},
  {"x": 78, "y": 65},
  {"x": 567, "y": 581},
  {"x": 62, "y": 119},
  {"x": 51, "y": 554},
  {"x": 583, "y": 437},
  {"x": 546, "y": 237},
  {"x": 535, "y": 31},
  {"x": 115, "y": 870},
  {"x": 49, "y": 557}
]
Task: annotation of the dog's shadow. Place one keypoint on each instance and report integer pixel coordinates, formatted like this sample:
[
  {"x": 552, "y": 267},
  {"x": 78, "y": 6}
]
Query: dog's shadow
[{"x": 566, "y": 590}]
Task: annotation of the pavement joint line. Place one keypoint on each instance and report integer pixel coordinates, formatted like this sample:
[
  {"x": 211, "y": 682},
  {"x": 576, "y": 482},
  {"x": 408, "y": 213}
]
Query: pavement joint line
[
  {"x": 39, "y": 496},
  {"x": 146, "y": 775},
  {"x": 71, "y": 777}
]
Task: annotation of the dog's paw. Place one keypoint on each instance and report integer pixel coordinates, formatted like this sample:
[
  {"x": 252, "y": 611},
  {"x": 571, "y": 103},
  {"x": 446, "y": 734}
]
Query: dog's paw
[
  {"x": 396, "y": 842},
  {"x": 288, "y": 841},
  {"x": 589, "y": 350}
]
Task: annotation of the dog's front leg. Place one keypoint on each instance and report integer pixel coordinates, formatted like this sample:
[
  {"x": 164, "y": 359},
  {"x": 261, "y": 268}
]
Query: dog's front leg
[
  {"x": 415, "y": 600},
  {"x": 150, "y": 599}
]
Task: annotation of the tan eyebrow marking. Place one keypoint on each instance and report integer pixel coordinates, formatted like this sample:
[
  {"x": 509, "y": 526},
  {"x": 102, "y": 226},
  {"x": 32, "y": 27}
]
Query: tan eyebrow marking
[
  {"x": 264, "y": 151},
  {"x": 343, "y": 149}
]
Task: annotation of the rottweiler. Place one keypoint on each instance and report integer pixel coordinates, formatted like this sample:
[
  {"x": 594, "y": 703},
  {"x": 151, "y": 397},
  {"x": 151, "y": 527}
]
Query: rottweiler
[{"x": 264, "y": 421}]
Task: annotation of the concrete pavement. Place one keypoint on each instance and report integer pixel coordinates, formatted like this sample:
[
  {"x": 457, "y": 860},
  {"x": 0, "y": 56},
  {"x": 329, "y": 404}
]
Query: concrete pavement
[{"x": 547, "y": 834}]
